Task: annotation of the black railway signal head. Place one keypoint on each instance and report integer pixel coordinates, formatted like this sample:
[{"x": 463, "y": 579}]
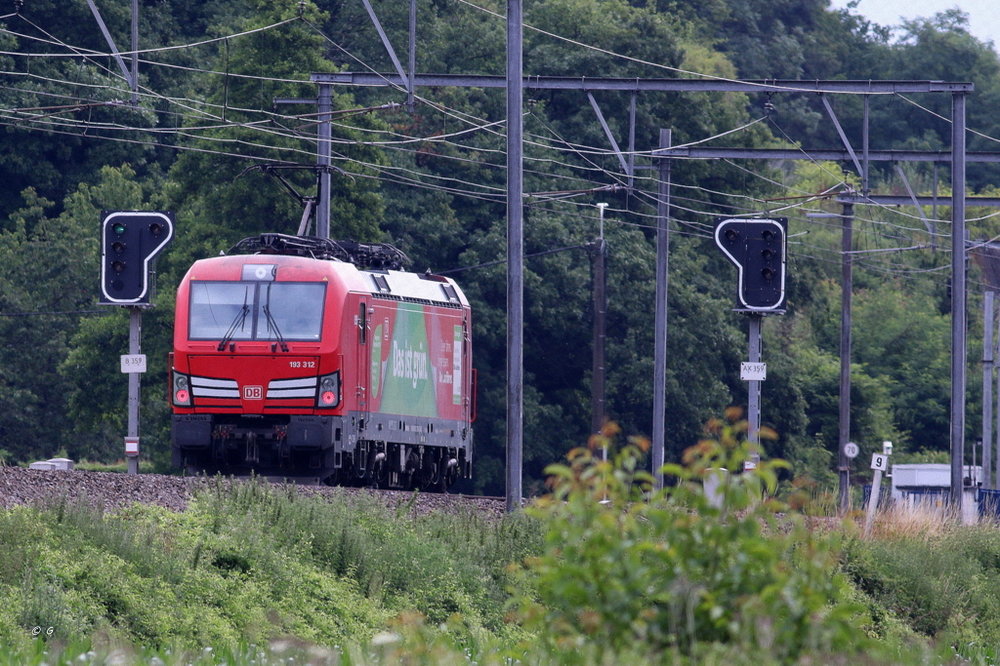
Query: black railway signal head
[
  {"x": 757, "y": 247},
  {"x": 129, "y": 242}
]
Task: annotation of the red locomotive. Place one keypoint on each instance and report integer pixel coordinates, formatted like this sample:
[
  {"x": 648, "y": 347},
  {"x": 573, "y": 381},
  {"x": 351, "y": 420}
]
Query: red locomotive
[{"x": 306, "y": 357}]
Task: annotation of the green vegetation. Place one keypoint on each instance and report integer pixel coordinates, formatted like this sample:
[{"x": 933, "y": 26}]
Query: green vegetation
[
  {"x": 244, "y": 565},
  {"x": 940, "y": 579},
  {"x": 680, "y": 574},
  {"x": 431, "y": 179},
  {"x": 604, "y": 569},
  {"x": 118, "y": 466}
]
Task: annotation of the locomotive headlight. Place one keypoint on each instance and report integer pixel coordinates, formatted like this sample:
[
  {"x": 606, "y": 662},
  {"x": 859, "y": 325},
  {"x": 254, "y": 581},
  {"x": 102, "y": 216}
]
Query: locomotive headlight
[
  {"x": 181, "y": 390},
  {"x": 329, "y": 390}
]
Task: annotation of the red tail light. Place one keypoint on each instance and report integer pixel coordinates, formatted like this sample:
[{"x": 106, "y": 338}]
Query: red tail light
[
  {"x": 329, "y": 390},
  {"x": 181, "y": 392}
]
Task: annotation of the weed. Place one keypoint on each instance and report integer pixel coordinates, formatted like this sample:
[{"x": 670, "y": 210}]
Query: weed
[
  {"x": 918, "y": 520},
  {"x": 678, "y": 570}
]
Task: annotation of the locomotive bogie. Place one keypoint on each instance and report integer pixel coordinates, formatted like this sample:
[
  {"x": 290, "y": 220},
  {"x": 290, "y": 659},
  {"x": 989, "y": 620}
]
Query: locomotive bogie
[{"x": 300, "y": 367}]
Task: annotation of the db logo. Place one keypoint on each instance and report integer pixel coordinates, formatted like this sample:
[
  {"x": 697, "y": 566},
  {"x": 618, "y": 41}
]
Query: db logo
[{"x": 253, "y": 392}]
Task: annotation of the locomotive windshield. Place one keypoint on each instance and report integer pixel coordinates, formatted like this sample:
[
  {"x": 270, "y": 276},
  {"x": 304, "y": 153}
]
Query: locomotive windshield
[{"x": 256, "y": 310}]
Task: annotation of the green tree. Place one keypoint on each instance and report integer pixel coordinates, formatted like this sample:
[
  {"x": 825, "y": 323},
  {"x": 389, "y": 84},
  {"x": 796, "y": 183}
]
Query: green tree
[
  {"x": 49, "y": 276},
  {"x": 213, "y": 190},
  {"x": 941, "y": 48},
  {"x": 66, "y": 117},
  {"x": 95, "y": 393},
  {"x": 902, "y": 338}
]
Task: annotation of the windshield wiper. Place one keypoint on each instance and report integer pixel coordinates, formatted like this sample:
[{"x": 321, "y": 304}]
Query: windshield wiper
[
  {"x": 238, "y": 321},
  {"x": 272, "y": 324}
]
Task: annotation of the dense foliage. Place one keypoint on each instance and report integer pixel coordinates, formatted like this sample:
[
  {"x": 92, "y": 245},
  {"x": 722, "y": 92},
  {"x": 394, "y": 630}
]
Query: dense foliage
[
  {"x": 247, "y": 564},
  {"x": 211, "y": 109},
  {"x": 604, "y": 569},
  {"x": 684, "y": 571}
]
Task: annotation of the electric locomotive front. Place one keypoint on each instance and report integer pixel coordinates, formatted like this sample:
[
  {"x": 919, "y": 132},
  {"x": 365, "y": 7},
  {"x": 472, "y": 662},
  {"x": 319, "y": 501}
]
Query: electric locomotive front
[
  {"x": 256, "y": 372},
  {"x": 294, "y": 366}
]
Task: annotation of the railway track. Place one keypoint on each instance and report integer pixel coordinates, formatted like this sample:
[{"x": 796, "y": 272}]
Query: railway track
[{"x": 111, "y": 491}]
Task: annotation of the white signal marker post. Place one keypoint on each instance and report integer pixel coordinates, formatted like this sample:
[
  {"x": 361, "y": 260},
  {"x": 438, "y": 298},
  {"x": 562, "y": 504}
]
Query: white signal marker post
[
  {"x": 133, "y": 364},
  {"x": 880, "y": 463},
  {"x": 754, "y": 372}
]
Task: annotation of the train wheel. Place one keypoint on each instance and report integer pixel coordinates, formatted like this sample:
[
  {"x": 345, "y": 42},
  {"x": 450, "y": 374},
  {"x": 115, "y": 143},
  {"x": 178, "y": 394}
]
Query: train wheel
[
  {"x": 349, "y": 473},
  {"x": 379, "y": 475},
  {"x": 362, "y": 466},
  {"x": 448, "y": 475},
  {"x": 427, "y": 477},
  {"x": 334, "y": 479},
  {"x": 410, "y": 477},
  {"x": 377, "y": 469}
]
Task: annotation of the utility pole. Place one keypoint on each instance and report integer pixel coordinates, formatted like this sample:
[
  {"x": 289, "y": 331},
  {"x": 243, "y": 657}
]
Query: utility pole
[
  {"x": 987, "y": 437},
  {"x": 323, "y": 137},
  {"x": 135, "y": 52},
  {"x": 958, "y": 274},
  {"x": 598, "y": 258},
  {"x": 412, "y": 56},
  {"x": 515, "y": 256},
  {"x": 996, "y": 417},
  {"x": 846, "y": 291},
  {"x": 660, "y": 310}
]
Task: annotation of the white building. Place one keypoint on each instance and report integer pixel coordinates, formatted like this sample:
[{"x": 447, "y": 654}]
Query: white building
[{"x": 931, "y": 482}]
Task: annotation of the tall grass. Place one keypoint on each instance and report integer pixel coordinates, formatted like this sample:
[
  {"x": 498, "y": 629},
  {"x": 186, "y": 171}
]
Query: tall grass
[
  {"x": 926, "y": 519},
  {"x": 438, "y": 563},
  {"x": 247, "y": 562},
  {"x": 940, "y": 577}
]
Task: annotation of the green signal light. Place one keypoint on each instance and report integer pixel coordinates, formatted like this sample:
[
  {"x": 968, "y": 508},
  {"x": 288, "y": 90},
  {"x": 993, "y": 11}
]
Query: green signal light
[{"x": 119, "y": 228}]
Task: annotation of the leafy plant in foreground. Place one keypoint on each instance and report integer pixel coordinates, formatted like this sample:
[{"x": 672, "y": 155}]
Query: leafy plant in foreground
[{"x": 678, "y": 570}]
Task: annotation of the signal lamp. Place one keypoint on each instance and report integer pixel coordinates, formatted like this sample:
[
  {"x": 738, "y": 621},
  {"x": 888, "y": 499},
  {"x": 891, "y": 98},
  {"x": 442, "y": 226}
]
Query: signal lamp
[
  {"x": 130, "y": 240},
  {"x": 757, "y": 247}
]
